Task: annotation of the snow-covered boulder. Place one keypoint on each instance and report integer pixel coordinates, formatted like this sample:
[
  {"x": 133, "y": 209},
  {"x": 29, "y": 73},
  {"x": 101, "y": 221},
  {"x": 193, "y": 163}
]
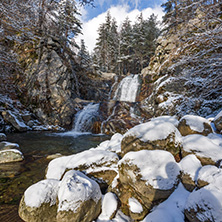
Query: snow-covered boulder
[
  {"x": 205, "y": 204},
  {"x": 79, "y": 198},
  {"x": 151, "y": 176},
  {"x": 218, "y": 122},
  {"x": 109, "y": 207},
  {"x": 207, "y": 149},
  {"x": 206, "y": 175},
  {"x": 100, "y": 164},
  {"x": 190, "y": 167},
  {"x": 171, "y": 209},
  {"x": 9, "y": 152},
  {"x": 112, "y": 145},
  {"x": 16, "y": 121},
  {"x": 154, "y": 135},
  {"x": 2, "y": 137},
  {"x": 39, "y": 202},
  {"x": 191, "y": 124}
]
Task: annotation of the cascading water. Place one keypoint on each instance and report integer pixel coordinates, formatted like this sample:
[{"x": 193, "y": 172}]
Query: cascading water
[
  {"x": 128, "y": 89},
  {"x": 85, "y": 118}
]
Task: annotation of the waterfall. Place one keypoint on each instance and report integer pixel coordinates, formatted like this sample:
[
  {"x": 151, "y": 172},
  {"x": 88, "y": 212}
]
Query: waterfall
[
  {"x": 85, "y": 118},
  {"x": 127, "y": 89}
]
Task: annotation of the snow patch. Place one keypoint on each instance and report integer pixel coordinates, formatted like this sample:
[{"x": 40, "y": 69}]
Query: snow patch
[
  {"x": 157, "y": 167},
  {"x": 154, "y": 130},
  {"x": 44, "y": 191},
  {"x": 203, "y": 146},
  {"x": 109, "y": 206},
  {"x": 190, "y": 165},
  {"x": 76, "y": 188},
  {"x": 57, "y": 167},
  {"x": 135, "y": 206},
  {"x": 196, "y": 123},
  {"x": 171, "y": 210}
]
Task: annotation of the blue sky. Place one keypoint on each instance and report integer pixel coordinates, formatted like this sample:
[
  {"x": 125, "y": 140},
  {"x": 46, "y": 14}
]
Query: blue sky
[
  {"x": 103, "y": 5},
  {"x": 92, "y": 17}
]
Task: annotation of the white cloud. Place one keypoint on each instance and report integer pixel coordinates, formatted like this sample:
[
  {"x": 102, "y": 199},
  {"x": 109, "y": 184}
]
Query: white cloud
[{"x": 119, "y": 12}]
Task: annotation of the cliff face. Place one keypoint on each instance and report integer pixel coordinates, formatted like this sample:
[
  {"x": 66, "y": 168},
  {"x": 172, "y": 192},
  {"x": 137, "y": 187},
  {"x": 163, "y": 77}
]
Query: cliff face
[
  {"x": 184, "y": 76},
  {"x": 53, "y": 80}
]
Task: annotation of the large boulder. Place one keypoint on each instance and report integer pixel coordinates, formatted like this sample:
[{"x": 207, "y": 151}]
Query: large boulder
[
  {"x": 79, "y": 198},
  {"x": 207, "y": 149},
  {"x": 155, "y": 134},
  {"x": 9, "y": 153},
  {"x": 205, "y": 204},
  {"x": 15, "y": 120},
  {"x": 189, "y": 166},
  {"x": 150, "y": 176},
  {"x": 191, "y": 124},
  {"x": 96, "y": 163},
  {"x": 39, "y": 202}
]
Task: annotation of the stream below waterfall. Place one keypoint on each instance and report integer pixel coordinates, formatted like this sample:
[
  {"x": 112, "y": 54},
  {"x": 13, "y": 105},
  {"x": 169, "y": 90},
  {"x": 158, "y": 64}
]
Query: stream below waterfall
[{"x": 15, "y": 178}]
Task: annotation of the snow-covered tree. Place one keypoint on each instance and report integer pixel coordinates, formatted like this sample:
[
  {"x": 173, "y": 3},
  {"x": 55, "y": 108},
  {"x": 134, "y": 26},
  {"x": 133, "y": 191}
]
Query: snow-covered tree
[{"x": 83, "y": 56}]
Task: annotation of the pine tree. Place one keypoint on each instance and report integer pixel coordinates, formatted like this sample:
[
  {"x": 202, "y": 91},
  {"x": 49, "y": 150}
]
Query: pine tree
[
  {"x": 84, "y": 57},
  {"x": 125, "y": 47}
]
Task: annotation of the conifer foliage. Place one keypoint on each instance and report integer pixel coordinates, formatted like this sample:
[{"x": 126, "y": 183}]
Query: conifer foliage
[{"x": 130, "y": 48}]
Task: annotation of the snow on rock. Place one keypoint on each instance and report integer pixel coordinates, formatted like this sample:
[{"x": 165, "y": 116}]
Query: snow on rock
[
  {"x": 88, "y": 161},
  {"x": 191, "y": 124},
  {"x": 154, "y": 130},
  {"x": 112, "y": 145},
  {"x": 155, "y": 134},
  {"x": 190, "y": 165},
  {"x": 76, "y": 188},
  {"x": 15, "y": 120},
  {"x": 9, "y": 152},
  {"x": 170, "y": 119},
  {"x": 109, "y": 207},
  {"x": 121, "y": 217},
  {"x": 135, "y": 206},
  {"x": 203, "y": 147},
  {"x": 208, "y": 174},
  {"x": 205, "y": 204},
  {"x": 11, "y": 155},
  {"x": 156, "y": 167},
  {"x": 79, "y": 198},
  {"x": 39, "y": 202},
  {"x": 171, "y": 210},
  {"x": 45, "y": 191}
]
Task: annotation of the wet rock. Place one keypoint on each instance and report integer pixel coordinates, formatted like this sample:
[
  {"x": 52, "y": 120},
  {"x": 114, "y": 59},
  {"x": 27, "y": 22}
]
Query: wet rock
[
  {"x": 79, "y": 198},
  {"x": 9, "y": 153},
  {"x": 191, "y": 124},
  {"x": 15, "y": 120}
]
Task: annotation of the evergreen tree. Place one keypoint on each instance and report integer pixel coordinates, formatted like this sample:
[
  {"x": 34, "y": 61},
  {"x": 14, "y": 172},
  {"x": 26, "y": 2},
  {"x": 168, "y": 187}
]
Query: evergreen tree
[
  {"x": 125, "y": 47},
  {"x": 84, "y": 57}
]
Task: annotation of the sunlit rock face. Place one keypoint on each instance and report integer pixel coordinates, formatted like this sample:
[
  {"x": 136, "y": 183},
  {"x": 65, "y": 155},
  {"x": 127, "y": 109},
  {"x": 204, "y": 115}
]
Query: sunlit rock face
[{"x": 50, "y": 85}]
